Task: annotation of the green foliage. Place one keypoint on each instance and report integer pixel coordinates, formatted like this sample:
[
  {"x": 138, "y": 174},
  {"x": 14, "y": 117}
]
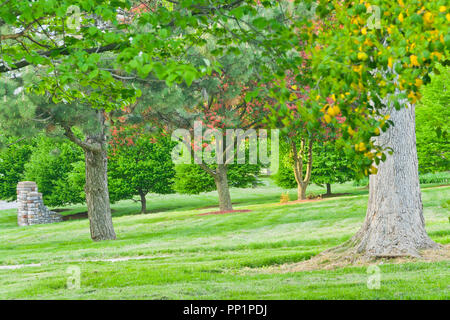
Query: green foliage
[
  {"x": 192, "y": 179},
  {"x": 50, "y": 166},
  {"x": 439, "y": 177},
  {"x": 432, "y": 125},
  {"x": 12, "y": 168},
  {"x": 140, "y": 168},
  {"x": 330, "y": 164}
]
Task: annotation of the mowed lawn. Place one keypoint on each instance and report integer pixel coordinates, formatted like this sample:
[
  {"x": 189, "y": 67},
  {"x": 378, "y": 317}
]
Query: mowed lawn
[{"x": 174, "y": 253}]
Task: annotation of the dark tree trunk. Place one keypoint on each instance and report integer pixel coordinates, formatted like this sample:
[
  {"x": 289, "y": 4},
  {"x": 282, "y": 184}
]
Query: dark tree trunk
[
  {"x": 143, "y": 202},
  {"x": 394, "y": 224},
  {"x": 223, "y": 189},
  {"x": 328, "y": 189},
  {"x": 97, "y": 195}
]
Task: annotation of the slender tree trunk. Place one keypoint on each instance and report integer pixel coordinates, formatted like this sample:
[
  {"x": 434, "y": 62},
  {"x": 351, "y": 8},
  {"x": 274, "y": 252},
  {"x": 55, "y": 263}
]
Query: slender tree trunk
[
  {"x": 97, "y": 195},
  {"x": 302, "y": 182},
  {"x": 223, "y": 189},
  {"x": 143, "y": 202},
  {"x": 301, "y": 190},
  {"x": 328, "y": 189},
  {"x": 394, "y": 224}
]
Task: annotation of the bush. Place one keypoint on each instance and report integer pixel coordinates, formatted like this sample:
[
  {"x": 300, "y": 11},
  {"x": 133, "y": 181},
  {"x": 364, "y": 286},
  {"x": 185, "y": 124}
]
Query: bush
[
  {"x": 440, "y": 177},
  {"x": 51, "y": 165},
  {"x": 12, "y": 168}
]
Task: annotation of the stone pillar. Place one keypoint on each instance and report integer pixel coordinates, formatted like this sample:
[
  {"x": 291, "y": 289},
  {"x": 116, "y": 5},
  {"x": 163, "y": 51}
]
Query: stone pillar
[{"x": 31, "y": 208}]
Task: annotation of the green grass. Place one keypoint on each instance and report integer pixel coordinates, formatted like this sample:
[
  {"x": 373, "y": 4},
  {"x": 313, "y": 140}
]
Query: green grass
[{"x": 178, "y": 254}]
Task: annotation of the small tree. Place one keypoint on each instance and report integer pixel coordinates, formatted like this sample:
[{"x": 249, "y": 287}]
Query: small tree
[
  {"x": 13, "y": 158},
  {"x": 331, "y": 165},
  {"x": 50, "y": 165},
  {"x": 140, "y": 166}
]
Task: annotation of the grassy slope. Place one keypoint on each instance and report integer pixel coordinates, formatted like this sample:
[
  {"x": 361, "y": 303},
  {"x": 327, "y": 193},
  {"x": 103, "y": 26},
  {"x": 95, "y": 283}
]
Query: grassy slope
[{"x": 186, "y": 256}]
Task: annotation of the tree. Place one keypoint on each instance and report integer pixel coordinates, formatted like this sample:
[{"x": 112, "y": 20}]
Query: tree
[
  {"x": 140, "y": 166},
  {"x": 13, "y": 158},
  {"x": 388, "y": 65},
  {"x": 84, "y": 126},
  {"x": 217, "y": 103},
  {"x": 432, "y": 127},
  {"x": 51, "y": 162},
  {"x": 192, "y": 179},
  {"x": 85, "y": 58},
  {"x": 331, "y": 165}
]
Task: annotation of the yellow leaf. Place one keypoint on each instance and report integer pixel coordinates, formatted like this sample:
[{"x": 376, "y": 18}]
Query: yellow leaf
[
  {"x": 377, "y": 131},
  {"x": 350, "y": 131},
  {"x": 414, "y": 61},
  {"x": 336, "y": 110},
  {"x": 362, "y": 56},
  {"x": 419, "y": 82},
  {"x": 362, "y": 146},
  {"x": 428, "y": 18},
  {"x": 390, "y": 62}
]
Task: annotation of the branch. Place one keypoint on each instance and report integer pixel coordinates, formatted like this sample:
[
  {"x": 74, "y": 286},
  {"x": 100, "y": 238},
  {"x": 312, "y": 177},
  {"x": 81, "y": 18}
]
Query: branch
[
  {"x": 61, "y": 51},
  {"x": 72, "y": 137}
]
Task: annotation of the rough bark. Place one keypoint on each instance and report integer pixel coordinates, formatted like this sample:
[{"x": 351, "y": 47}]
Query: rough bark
[
  {"x": 97, "y": 195},
  {"x": 302, "y": 181},
  {"x": 96, "y": 188},
  {"x": 223, "y": 189},
  {"x": 143, "y": 202},
  {"x": 394, "y": 224}
]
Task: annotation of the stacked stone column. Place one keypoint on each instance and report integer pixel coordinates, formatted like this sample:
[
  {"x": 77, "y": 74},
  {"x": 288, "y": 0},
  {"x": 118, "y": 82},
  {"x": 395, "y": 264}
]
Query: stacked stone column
[{"x": 31, "y": 208}]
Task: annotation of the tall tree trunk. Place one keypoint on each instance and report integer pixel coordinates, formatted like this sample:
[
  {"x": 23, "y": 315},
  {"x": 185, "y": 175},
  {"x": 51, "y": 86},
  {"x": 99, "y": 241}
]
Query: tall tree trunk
[
  {"x": 143, "y": 201},
  {"x": 394, "y": 224},
  {"x": 96, "y": 188},
  {"x": 223, "y": 189},
  {"x": 97, "y": 195},
  {"x": 328, "y": 189}
]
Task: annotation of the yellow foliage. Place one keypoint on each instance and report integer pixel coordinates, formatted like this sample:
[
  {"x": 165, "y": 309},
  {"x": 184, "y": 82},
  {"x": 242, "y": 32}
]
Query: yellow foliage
[
  {"x": 428, "y": 18},
  {"x": 414, "y": 61},
  {"x": 362, "y": 56}
]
